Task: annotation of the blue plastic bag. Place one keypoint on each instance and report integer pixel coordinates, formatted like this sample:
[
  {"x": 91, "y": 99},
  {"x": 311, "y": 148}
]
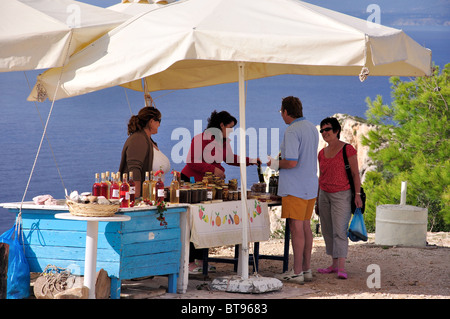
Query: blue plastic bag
[
  {"x": 357, "y": 229},
  {"x": 18, "y": 281}
]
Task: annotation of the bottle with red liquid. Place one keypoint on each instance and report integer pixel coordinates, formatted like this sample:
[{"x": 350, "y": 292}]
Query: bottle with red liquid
[
  {"x": 96, "y": 188},
  {"x": 104, "y": 187},
  {"x": 125, "y": 192},
  {"x": 115, "y": 189},
  {"x": 159, "y": 188},
  {"x": 132, "y": 189}
]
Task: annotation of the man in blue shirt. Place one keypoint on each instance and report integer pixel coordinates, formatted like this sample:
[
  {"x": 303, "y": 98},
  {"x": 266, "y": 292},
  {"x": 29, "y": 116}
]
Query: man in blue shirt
[{"x": 298, "y": 183}]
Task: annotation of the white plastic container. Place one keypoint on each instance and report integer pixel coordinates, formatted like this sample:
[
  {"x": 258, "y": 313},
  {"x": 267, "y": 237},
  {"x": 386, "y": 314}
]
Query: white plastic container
[{"x": 401, "y": 225}]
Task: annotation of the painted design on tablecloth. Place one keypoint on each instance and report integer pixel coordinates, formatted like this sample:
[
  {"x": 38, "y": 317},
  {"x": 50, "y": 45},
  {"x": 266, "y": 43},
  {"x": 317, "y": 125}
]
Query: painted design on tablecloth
[
  {"x": 202, "y": 215},
  {"x": 218, "y": 221},
  {"x": 236, "y": 218},
  {"x": 215, "y": 219},
  {"x": 257, "y": 210}
]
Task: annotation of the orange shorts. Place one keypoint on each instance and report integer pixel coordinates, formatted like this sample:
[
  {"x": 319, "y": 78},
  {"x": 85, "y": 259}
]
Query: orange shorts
[{"x": 297, "y": 208}]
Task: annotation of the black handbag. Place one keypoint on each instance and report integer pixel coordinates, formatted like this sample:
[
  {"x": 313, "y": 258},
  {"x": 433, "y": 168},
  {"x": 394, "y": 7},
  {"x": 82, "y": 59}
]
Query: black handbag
[{"x": 350, "y": 179}]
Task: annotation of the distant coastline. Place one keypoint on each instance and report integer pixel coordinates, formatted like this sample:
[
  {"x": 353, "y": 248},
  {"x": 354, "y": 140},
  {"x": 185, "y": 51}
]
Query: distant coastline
[
  {"x": 397, "y": 14},
  {"x": 423, "y": 20}
]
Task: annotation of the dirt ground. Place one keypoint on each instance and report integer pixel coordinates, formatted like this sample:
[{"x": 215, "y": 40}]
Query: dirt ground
[
  {"x": 400, "y": 272},
  {"x": 405, "y": 272}
]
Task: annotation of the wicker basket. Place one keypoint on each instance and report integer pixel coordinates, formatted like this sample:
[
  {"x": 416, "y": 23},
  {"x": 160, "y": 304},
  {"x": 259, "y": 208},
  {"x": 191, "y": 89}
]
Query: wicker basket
[{"x": 91, "y": 210}]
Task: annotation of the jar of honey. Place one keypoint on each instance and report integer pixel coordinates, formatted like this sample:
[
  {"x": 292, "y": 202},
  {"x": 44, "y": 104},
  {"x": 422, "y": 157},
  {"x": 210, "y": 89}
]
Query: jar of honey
[{"x": 225, "y": 192}]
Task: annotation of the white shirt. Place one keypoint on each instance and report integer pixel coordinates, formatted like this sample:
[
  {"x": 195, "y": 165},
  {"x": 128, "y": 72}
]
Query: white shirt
[{"x": 160, "y": 161}]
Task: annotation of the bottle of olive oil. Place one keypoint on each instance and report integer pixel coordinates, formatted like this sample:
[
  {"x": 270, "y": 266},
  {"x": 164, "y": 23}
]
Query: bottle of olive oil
[
  {"x": 174, "y": 189},
  {"x": 146, "y": 187}
]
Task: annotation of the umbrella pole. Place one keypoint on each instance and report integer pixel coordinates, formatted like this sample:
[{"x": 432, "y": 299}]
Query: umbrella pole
[
  {"x": 243, "y": 283},
  {"x": 244, "y": 256}
]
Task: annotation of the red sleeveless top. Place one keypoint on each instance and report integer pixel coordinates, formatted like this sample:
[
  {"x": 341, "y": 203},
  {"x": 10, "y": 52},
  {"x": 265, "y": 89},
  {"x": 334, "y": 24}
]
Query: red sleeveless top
[{"x": 333, "y": 177}]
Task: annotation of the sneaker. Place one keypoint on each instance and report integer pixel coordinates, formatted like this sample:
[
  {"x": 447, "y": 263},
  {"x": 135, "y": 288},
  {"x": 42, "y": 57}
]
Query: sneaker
[
  {"x": 196, "y": 271},
  {"x": 291, "y": 277},
  {"x": 199, "y": 269},
  {"x": 307, "y": 275}
]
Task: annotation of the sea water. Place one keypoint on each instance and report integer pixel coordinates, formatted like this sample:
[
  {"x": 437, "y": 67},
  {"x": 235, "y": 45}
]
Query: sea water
[{"x": 86, "y": 133}]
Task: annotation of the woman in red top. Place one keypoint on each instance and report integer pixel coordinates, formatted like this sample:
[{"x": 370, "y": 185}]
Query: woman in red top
[
  {"x": 334, "y": 195},
  {"x": 212, "y": 147},
  {"x": 207, "y": 152}
]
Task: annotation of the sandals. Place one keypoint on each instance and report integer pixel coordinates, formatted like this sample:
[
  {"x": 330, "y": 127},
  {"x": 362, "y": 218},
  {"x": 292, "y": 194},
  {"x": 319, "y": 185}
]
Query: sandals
[
  {"x": 341, "y": 274},
  {"x": 328, "y": 270}
]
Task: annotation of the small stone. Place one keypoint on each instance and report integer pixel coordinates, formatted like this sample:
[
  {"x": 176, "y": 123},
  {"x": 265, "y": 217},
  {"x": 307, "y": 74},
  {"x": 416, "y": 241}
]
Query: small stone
[{"x": 253, "y": 284}]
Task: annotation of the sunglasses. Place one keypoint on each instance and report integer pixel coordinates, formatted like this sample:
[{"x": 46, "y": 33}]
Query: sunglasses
[{"x": 326, "y": 129}]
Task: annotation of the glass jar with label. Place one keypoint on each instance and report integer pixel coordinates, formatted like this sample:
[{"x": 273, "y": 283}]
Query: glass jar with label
[
  {"x": 209, "y": 192},
  {"x": 219, "y": 193},
  {"x": 225, "y": 193}
]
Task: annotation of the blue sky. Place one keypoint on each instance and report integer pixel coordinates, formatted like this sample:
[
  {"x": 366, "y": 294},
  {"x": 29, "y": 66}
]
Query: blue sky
[{"x": 419, "y": 10}]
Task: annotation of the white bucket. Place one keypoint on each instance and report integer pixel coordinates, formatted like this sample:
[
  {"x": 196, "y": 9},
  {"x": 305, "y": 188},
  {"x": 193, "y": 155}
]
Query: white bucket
[{"x": 401, "y": 225}]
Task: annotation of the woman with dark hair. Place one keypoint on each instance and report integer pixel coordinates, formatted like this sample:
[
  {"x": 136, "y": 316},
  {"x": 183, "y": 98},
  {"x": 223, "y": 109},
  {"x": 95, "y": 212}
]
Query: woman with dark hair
[
  {"x": 212, "y": 147},
  {"x": 207, "y": 152},
  {"x": 334, "y": 195},
  {"x": 140, "y": 152}
]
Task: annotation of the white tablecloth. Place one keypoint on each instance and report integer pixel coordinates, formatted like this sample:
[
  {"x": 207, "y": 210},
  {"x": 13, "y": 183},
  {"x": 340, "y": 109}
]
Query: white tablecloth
[{"x": 220, "y": 224}]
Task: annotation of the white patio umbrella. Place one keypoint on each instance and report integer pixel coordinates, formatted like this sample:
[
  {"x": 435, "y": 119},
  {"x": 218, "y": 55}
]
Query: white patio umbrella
[
  {"x": 197, "y": 43},
  {"x": 37, "y": 34},
  {"x": 194, "y": 42}
]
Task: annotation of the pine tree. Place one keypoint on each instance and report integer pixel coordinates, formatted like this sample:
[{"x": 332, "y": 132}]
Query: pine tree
[{"x": 412, "y": 144}]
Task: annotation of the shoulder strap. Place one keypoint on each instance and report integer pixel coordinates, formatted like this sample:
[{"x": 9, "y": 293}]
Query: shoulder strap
[
  {"x": 344, "y": 153},
  {"x": 347, "y": 168}
]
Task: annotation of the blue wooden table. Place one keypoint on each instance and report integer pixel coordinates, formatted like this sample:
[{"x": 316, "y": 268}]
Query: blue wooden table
[{"x": 136, "y": 248}]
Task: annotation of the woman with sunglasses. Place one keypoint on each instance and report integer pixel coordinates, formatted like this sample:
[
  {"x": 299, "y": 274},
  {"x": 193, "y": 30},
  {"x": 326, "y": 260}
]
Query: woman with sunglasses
[
  {"x": 334, "y": 195},
  {"x": 140, "y": 152},
  {"x": 212, "y": 148}
]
